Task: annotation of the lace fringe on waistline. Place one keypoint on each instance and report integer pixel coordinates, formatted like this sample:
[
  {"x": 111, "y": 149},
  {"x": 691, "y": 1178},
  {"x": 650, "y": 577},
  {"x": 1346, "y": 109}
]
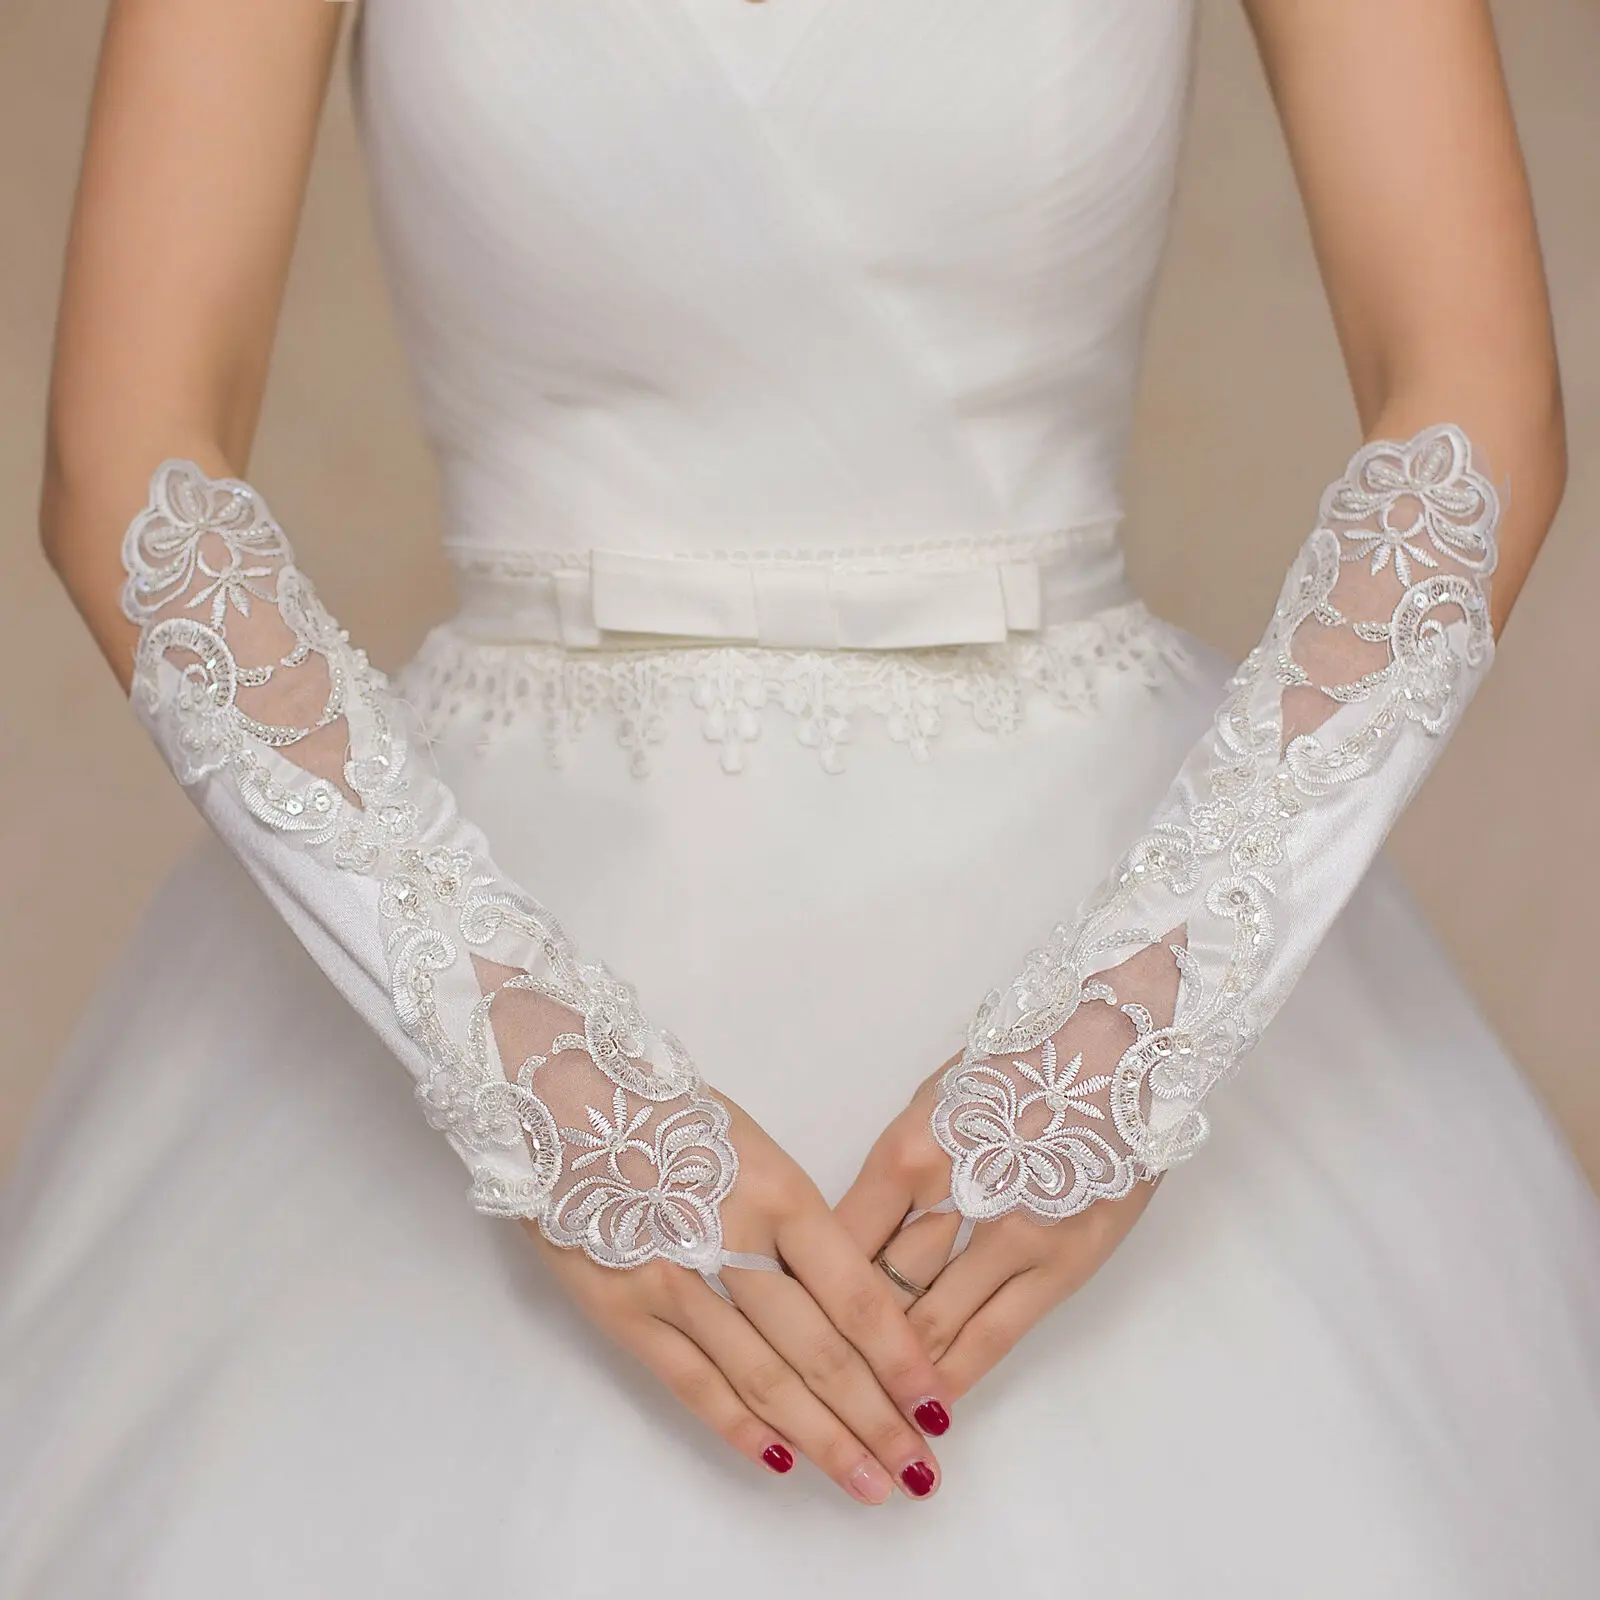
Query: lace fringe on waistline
[{"x": 502, "y": 691}]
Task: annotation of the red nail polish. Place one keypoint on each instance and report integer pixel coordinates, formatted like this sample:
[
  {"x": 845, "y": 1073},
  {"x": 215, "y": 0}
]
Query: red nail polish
[
  {"x": 918, "y": 1478},
  {"x": 777, "y": 1458},
  {"x": 932, "y": 1417}
]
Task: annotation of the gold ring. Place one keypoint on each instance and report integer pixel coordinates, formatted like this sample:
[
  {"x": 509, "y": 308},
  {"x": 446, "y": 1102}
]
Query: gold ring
[{"x": 898, "y": 1278}]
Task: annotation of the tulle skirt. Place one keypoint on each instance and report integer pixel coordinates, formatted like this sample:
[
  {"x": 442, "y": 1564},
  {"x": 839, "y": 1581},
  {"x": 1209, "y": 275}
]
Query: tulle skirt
[{"x": 253, "y": 1341}]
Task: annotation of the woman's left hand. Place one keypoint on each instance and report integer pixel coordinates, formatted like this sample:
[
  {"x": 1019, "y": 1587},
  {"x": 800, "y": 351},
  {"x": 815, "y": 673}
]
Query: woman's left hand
[{"x": 1012, "y": 1273}]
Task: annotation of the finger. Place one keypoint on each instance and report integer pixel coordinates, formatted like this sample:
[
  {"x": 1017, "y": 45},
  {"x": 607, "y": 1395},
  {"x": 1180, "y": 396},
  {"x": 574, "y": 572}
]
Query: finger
[
  {"x": 836, "y": 1372},
  {"x": 857, "y": 1299},
  {"x": 921, "y": 1251},
  {"x": 904, "y": 1170},
  {"x": 685, "y": 1369},
  {"x": 993, "y": 1331},
  {"x": 993, "y": 1259},
  {"x": 775, "y": 1392},
  {"x": 876, "y": 1203}
]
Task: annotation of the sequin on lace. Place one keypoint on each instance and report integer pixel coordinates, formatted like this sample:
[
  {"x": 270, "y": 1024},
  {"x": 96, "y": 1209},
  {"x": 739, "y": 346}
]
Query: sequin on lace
[{"x": 1405, "y": 544}]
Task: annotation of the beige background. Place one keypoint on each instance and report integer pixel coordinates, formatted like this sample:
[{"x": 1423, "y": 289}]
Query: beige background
[{"x": 1244, "y": 414}]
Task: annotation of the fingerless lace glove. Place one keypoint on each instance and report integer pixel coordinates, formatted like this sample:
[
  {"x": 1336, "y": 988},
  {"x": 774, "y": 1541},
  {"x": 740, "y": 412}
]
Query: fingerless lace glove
[
  {"x": 538, "y": 1067},
  {"x": 1091, "y": 1071}
]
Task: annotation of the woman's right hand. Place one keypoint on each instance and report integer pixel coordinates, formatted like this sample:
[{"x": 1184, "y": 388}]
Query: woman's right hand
[{"x": 821, "y": 1361}]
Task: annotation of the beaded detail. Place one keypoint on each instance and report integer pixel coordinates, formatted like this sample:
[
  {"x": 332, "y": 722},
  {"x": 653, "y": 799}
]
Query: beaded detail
[{"x": 1383, "y": 622}]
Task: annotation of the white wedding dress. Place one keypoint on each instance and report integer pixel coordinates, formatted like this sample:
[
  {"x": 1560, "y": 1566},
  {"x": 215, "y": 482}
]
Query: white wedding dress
[{"x": 706, "y": 299}]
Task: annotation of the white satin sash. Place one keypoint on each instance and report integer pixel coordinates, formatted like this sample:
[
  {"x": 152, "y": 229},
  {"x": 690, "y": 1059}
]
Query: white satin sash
[{"x": 977, "y": 593}]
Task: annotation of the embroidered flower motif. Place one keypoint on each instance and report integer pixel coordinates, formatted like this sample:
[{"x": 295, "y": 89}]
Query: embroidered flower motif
[
  {"x": 1259, "y": 847},
  {"x": 1454, "y": 508},
  {"x": 505, "y": 1112},
  {"x": 1391, "y": 544},
  {"x": 1167, "y": 855},
  {"x": 448, "y": 872},
  {"x": 623, "y": 1222},
  {"x": 609, "y": 1140},
  {"x": 998, "y": 1166},
  {"x": 402, "y": 898},
  {"x": 214, "y": 544},
  {"x": 1061, "y": 1090},
  {"x": 1185, "y": 1067},
  {"x": 648, "y": 1062}
]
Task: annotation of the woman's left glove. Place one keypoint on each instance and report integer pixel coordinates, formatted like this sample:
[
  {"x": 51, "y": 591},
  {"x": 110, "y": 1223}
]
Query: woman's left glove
[{"x": 1088, "y": 1075}]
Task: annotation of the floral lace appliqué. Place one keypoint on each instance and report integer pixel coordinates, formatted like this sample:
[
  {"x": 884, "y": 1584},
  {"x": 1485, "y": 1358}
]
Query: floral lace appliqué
[
  {"x": 1406, "y": 542},
  {"x": 608, "y": 1136},
  {"x": 1054, "y": 1167}
]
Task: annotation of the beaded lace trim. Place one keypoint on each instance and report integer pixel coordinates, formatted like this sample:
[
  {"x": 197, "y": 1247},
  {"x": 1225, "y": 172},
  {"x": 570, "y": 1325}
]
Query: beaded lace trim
[
  {"x": 504, "y": 691},
  {"x": 1384, "y": 621}
]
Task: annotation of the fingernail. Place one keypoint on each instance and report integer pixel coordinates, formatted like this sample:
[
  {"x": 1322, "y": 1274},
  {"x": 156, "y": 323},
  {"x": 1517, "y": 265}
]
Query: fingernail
[
  {"x": 870, "y": 1484},
  {"x": 932, "y": 1417},
  {"x": 918, "y": 1479},
  {"x": 776, "y": 1457}
]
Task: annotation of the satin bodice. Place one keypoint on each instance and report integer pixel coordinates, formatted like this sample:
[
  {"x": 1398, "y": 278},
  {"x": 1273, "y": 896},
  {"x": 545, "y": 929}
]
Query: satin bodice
[{"x": 688, "y": 276}]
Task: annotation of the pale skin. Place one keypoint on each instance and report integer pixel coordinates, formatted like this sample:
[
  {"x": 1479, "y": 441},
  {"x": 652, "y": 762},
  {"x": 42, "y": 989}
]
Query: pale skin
[{"x": 199, "y": 147}]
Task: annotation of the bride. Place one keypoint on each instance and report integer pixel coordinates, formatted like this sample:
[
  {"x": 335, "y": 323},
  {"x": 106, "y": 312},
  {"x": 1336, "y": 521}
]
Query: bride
[{"x": 1078, "y": 1147}]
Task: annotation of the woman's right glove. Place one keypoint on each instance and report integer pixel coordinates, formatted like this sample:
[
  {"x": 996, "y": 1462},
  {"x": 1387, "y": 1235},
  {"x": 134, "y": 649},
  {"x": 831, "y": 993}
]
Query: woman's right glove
[{"x": 569, "y": 1108}]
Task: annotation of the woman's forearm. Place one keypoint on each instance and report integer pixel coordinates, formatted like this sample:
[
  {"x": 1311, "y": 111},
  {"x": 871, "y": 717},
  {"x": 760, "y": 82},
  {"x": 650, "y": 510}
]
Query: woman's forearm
[
  {"x": 184, "y": 225},
  {"x": 1404, "y": 145}
]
